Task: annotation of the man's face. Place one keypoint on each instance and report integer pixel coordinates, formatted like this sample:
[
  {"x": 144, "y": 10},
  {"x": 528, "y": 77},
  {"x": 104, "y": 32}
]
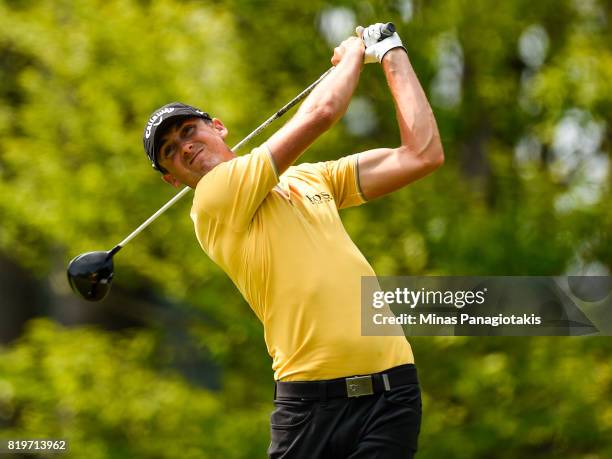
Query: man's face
[{"x": 189, "y": 150}]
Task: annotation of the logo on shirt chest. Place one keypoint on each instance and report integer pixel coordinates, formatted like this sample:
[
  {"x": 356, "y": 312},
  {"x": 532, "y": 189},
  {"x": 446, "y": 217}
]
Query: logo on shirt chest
[{"x": 319, "y": 198}]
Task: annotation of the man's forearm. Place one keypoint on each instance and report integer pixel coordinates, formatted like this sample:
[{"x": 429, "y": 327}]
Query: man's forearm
[
  {"x": 322, "y": 108},
  {"x": 333, "y": 94},
  {"x": 417, "y": 125}
]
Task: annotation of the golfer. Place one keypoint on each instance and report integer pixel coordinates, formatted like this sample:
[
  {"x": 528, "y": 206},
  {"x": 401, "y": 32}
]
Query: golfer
[{"x": 274, "y": 229}]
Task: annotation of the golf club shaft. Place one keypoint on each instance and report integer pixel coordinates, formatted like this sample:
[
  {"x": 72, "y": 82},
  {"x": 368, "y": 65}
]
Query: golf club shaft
[{"x": 185, "y": 190}]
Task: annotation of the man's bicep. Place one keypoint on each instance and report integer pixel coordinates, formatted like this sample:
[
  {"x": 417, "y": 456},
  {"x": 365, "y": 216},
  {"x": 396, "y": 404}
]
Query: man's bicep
[{"x": 384, "y": 170}]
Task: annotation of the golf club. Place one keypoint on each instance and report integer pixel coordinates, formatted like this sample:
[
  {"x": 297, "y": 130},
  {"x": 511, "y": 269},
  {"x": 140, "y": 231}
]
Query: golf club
[{"x": 90, "y": 274}]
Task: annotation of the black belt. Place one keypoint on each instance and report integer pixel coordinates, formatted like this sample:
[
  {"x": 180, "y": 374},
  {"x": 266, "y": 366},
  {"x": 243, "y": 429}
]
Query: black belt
[{"x": 354, "y": 386}]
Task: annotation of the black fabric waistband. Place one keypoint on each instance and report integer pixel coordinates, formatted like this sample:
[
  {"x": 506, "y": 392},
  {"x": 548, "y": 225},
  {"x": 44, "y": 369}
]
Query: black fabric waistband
[{"x": 352, "y": 386}]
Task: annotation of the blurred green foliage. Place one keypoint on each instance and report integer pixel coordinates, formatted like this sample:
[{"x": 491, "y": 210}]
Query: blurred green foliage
[
  {"x": 105, "y": 395},
  {"x": 522, "y": 92}
]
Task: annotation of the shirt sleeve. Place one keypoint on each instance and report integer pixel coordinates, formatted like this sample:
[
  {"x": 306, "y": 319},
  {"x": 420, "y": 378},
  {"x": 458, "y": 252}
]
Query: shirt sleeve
[
  {"x": 232, "y": 192},
  {"x": 342, "y": 177}
]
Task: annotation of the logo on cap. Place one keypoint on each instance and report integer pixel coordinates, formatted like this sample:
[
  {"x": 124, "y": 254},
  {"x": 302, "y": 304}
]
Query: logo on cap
[{"x": 156, "y": 120}]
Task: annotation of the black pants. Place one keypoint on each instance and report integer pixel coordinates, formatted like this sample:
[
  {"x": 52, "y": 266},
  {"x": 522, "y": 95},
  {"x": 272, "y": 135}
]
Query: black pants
[{"x": 383, "y": 425}]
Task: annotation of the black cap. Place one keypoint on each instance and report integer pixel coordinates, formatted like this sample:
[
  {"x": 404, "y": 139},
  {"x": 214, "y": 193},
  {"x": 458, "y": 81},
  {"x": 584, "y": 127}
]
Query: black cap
[{"x": 158, "y": 119}]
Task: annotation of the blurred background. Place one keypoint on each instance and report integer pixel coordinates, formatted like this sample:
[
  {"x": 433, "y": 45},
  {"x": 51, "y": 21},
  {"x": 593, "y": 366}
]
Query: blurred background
[{"x": 173, "y": 363}]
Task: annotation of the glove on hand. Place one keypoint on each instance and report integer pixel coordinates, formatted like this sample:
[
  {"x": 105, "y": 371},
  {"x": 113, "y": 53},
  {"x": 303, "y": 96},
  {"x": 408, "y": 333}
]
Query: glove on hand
[{"x": 376, "y": 50}]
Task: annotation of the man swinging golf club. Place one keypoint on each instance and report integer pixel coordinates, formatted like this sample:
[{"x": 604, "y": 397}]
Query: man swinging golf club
[{"x": 274, "y": 229}]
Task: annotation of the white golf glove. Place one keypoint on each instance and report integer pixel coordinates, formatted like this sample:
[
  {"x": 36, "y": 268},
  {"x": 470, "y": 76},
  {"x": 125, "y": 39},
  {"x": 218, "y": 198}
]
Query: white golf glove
[{"x": 376, "y": 50}]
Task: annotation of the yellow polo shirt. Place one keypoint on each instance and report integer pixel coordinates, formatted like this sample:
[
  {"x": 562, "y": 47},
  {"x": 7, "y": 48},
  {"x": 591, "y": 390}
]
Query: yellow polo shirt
[{"x": 281, "y": 241}]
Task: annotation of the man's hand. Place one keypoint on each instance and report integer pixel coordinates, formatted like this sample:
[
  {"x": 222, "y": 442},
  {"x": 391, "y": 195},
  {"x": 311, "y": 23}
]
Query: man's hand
[
  {"x": 375, "y": 49},
  {"x": 350, "y": 46}
]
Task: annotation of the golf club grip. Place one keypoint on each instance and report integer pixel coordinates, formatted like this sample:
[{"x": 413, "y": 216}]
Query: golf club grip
[{"x": 387, "y": 29}]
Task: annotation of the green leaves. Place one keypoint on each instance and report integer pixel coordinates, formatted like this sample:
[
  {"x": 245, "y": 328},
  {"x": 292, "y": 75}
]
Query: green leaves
[{"x": 104, "y": 393}]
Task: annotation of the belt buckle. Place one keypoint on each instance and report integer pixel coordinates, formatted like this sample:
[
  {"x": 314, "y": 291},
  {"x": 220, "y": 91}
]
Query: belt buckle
[{"x": 359, "y": 385}]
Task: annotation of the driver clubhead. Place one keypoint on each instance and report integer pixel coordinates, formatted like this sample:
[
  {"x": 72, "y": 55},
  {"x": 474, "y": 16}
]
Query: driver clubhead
[{"x": 90, "y": 275}]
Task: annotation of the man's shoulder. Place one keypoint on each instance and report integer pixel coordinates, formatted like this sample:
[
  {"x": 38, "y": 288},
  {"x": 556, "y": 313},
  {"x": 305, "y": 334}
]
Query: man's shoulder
[
  {"x": 323, "y": 169},
  {"x": 305, "y": 169}
]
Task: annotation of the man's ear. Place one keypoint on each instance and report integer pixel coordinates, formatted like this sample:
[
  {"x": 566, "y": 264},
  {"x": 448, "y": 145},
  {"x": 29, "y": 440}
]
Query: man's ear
[
  {"x": 218, "y": 126},
  {"x": 169, "y": 178}
]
